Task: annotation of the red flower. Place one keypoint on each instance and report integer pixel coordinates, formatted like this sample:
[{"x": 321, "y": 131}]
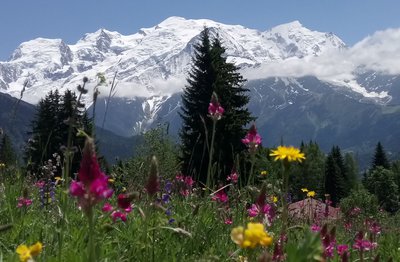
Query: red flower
[{"x": 124, "y": 201}]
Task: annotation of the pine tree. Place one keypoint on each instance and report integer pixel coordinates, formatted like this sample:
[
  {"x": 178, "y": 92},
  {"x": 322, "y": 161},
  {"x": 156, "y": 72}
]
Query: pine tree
[
  {"x": 380, "y": 158},
  {"x": 210, "y": 73},
  {"x": 7, "y": 153}
]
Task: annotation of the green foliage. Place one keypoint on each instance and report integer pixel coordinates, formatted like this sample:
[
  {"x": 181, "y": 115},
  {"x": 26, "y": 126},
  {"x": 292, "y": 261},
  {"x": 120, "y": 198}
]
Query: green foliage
[
  {"x": 309, "y": 248},
  {"x": 212, "y": 73},
  {"x": 361, "y": 198},
  {"x": 382, "y": 183},
  {"x": 134, "y": 171}
]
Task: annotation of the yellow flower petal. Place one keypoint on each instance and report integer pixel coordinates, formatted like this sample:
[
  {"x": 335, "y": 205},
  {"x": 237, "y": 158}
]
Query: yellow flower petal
[
  {"x": 24, "y": 253},
  {"x": 304, "y": 190},
  {"x": 36, "y": 249}
]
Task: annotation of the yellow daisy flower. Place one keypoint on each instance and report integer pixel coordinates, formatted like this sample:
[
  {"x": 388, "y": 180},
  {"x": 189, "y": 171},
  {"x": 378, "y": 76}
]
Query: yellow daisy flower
[
  {"x": 311, "y": 194},
  {"x": 291, "y": 154},
  {"x": 264, "y": 173},
  {"x": 27, "y": 253},
  {"x": 252, "y": 236}
]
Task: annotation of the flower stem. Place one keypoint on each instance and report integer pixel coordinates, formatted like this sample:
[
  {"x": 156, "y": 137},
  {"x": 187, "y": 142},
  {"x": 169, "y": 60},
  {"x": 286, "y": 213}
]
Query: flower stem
[
  {"x": 251, "y": 176},
  {"x": 91, "y": 246},
  {"x": 209, "y": 181},
  {"x": 285, "y": 189}
]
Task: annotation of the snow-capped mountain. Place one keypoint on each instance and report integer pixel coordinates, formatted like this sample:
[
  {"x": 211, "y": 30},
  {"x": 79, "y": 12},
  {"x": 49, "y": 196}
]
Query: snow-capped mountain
[{"x": 154, "y": 61}]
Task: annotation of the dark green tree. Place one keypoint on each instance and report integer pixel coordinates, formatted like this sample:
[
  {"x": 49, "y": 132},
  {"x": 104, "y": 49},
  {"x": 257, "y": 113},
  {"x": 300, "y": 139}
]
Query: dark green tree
[
  {"x": 335, "y": 176},
  {"x": 50, "y": 129},
  {"x": 7, "y": 153},
  {"x": 380, "y": 158},
  {"x": 210, "y": 73},
  {"x": 381, "y": 182},
  {"x": 310, "y": 173}
]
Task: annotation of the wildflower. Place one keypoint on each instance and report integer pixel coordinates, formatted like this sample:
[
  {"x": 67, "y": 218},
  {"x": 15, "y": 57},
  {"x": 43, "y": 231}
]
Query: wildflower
[
  {"x": 124, "y": 201},
  {"x": 107, "y": 207},
  {"x": 252, "y": 236},
  {"x": 188, "y": 180},
  {"x": 2, "y": 165},
  {"x": 264, "y": 173},
  {"x": 111, "y": 180},
  {"x": 153, "y": 184},
  {"x": 341, "y": 249},
  {"x": 220, "y": 196},
  {"x": 28, "y": 253},
  {"x": 24, "y": 202},
  {"x": 315, "y": 228},
  {"x": 311, "y": 194},
  {"x": 118, "y": 214},
  {"x": 274, "y": 199},
  {"x": 252, "y": 139},
  {"x": 375, "y": 228},
  {"x": 92, "y": 186},
  {"x": 228, "y": 221},
  {"x": 362, "y": 244},
  {"x": 234, "y": 176},
  {"x": 215, "y": 110},
  {"x": 304, "y": 190},
  {"x": 291, "y": 154}
]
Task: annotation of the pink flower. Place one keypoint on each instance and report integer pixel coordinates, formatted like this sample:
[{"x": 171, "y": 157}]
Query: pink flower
[
  {"x": 220, "y": 196},
  {"x": 24, "y": 202},
  {"x": 107, "y": 207},
  {"x": 253, "y": 211},
  {"x": 341, "y": 249},
  {"x": 40, "y": 184},
  {"x": 252, "y": 139},
  {"x": 184, "y": 192},
  {"x": 215, "y": 110},
  {"x": 118, "y": 214},
  {"x": 234, "y": 176},
  {"x": 228, "y": 221},
  {"x": 92, "y": 186},
  {"x": 315, "y": 228},
  {"x": 188, "y": 181},
  {"x": 124, "y": 201},
  {"x": 375, "y": 228},
  {"x": 362, "y": 244}
]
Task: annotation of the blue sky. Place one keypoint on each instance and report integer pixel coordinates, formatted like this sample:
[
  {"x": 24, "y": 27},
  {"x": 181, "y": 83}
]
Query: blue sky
[{"x": 351, "y": 20}]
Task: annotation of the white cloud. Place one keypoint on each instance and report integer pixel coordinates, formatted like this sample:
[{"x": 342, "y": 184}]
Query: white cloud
[{"x": 379, "y": 52}]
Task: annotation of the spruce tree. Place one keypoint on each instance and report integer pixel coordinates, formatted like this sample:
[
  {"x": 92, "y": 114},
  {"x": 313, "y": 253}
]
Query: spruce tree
[
  {"x": 335, "y": 176},
  {"x": 210, "y": 73},
  {"x": 380, "y": 158},
  {"x": 7, "y": 153}
]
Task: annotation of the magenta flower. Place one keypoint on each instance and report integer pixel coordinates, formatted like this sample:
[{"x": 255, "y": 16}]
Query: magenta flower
[
  {"x": 118, "y": 215},
  {"x": 24, "y": 202},
  {"x": 252, "y": 139},
  {"x": 362, "y": 244},
  {"x": 215, "y": 110},
  {"x": 375, "y": 228},
  {"x": 341, "y": 249},
  {"x": 92, "y": 186},
  {"x": 107, "y": 207},
  {"x": 228, "y": 221},
  {"x": 315, "y": 228},
  {"x": 220, "y": 196},
  {"x": 124, "y": 201},
  {"x": 189, "y": 181},
  {"x": 234, "y": 176}
]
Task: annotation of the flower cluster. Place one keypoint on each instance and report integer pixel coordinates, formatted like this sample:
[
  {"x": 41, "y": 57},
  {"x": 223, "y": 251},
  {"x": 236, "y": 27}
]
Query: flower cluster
[
  {"x": 252, "y": 236},
  {"x": 92, "y": 186},
  {"x": 24, "y": 202},
  {"x": 290, "y": 154},
  {"x": 234, "y": 176},
  {"x": 252, "y": 139},
  {"x": 28, "y": 253},
  {"x": 184, "y": 183},
  {"x": 124, "y": 207},
  {"x": 362, "y": 244},
  {"x": 215, "y": 110}
]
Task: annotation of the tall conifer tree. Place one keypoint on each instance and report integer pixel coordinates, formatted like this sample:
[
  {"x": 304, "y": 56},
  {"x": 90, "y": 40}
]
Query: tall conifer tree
[
  {"x": 210, "y": 73},
  {"x": 380, "y": 158}
]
